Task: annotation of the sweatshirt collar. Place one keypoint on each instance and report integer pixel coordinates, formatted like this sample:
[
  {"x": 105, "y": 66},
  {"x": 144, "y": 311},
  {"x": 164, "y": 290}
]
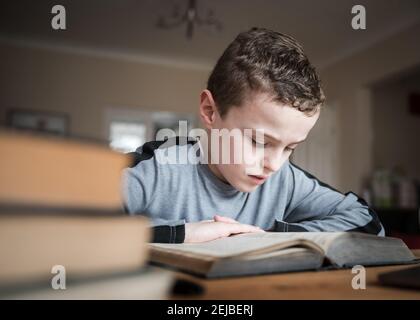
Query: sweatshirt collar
[{"x": 216, "y": 182}]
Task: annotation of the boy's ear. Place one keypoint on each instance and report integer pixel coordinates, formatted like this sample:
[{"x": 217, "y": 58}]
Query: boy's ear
[{"x": 208, "y": 109}]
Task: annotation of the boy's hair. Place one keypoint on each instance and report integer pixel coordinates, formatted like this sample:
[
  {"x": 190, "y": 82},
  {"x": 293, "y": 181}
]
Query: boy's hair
[{"x": 262, "y": 60}]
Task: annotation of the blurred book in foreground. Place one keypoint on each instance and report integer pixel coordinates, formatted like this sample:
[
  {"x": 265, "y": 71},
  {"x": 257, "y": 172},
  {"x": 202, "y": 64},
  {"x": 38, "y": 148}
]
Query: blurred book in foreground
[
  {"x": 58, "y": 172},
  {"x": 87, "y": 245},
  {"x": 148, "y": 283},
  {"x": 60, "y": 205}
]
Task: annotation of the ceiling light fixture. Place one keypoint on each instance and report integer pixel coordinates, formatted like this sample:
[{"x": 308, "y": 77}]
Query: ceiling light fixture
[{"x": 190, "y": 17}]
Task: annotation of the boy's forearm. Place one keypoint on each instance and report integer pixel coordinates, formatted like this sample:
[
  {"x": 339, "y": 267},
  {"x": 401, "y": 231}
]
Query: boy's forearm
[
  {"x": 317, "y": 207},
  {"x": 356, "y": 216}
]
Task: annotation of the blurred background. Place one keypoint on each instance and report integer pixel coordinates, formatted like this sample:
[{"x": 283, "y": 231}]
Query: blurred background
[{"x": 123, "y": 69}]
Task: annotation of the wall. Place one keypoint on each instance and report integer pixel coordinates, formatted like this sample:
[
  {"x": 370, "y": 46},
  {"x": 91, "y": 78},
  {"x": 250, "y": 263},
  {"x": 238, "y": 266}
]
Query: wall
[
  {"x": 85, "y": 85},
  {"x": 347, "y": 85},
  {"x": 396, "y": 131}
]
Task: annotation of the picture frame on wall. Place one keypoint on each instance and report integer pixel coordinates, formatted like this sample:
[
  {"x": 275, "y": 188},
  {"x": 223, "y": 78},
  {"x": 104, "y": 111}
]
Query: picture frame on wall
[{"x": 49, "y": 122}]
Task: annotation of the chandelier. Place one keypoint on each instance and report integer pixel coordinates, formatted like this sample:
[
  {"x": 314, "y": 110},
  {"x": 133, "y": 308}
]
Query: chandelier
[{"x": 190, "y": 17}]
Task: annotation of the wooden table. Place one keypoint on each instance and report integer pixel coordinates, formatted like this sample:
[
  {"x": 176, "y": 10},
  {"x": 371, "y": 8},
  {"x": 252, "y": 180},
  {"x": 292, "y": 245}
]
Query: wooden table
[{"x": 332, "y": 284}]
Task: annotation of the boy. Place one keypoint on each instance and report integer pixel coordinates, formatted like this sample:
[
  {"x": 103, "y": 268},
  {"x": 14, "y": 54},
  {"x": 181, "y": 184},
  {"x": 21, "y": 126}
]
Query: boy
[{"x": 263, "y": 81}]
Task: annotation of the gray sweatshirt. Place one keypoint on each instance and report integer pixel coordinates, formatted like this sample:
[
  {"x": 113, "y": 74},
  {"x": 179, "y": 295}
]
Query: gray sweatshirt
[{"x": 291, "y": 200}]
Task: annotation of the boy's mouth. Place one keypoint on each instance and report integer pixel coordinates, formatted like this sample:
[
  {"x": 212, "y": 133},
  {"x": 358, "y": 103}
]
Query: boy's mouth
[{"x": 258, "y": 179}]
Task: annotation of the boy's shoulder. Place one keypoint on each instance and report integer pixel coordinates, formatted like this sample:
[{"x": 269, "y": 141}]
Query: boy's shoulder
[{"x": 168, "y": 152}]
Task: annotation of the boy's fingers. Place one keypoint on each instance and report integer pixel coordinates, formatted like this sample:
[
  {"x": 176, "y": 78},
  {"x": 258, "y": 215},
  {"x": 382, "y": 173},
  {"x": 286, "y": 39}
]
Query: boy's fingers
[
  {"x": 243, "y": 228},
  {"x": 224, "y": 219}
]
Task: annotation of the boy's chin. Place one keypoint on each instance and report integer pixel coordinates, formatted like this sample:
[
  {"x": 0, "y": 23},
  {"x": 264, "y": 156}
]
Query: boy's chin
[{"x": 244, "y": 187}]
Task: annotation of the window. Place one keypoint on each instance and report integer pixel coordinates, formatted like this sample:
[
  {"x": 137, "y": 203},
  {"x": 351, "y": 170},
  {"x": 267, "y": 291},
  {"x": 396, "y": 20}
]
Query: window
[
  {"x": 127, "y": 129},
  {"x": 126, "y": 136}
]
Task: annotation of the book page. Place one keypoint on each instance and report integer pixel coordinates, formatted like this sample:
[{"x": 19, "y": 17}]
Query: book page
[
  {"x": 252, "y": 243},
  {"x": 322, "y": 239}
]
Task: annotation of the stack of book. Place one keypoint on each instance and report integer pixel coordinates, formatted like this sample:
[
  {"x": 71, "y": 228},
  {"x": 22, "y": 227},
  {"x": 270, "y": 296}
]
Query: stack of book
[{"x": 63, "y": 233}]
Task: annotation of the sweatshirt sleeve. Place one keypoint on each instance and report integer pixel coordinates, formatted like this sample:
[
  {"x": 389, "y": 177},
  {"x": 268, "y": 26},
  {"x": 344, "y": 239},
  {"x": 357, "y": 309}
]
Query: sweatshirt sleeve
[
  {"x": 139, "y": 184},
  {"x": 315, "y": 206}
]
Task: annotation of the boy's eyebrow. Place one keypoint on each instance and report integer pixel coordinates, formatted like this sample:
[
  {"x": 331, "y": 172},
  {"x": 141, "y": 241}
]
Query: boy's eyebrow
[
  {"x": 272, "y": 138},
  {"x": 275, "y": 139}
]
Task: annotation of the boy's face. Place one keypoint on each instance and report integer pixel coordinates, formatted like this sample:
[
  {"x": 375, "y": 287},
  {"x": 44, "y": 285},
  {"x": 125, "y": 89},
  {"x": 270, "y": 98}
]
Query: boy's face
[{"x": 284, "y": 128}]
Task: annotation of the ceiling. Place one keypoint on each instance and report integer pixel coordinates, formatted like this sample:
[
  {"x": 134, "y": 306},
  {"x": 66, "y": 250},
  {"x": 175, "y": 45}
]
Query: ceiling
[{"x": 128, "y": 27}]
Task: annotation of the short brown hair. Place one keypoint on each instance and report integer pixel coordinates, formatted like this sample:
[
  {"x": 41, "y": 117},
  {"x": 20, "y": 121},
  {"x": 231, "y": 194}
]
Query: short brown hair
[{"x": 262, "y": 60}]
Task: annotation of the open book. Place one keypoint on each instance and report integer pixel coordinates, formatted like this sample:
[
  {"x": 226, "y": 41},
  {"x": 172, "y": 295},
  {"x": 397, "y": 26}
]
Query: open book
[{"x": 270, "y": 252}]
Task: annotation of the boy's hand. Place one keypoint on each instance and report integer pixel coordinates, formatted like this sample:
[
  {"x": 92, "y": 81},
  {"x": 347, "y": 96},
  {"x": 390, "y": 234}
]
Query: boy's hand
[
  {"x": 224, "y": 219},
  {"x": 218, "y": 228}
]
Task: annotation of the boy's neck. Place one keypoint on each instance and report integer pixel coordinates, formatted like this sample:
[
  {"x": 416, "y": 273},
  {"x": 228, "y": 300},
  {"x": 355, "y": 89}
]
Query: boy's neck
[{"x": 213, "y": 168}]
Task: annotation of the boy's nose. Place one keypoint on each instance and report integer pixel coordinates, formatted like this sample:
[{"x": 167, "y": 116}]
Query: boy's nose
[
  {"x": 271, "y": 168},
  {"x": 273, "y": 163}
]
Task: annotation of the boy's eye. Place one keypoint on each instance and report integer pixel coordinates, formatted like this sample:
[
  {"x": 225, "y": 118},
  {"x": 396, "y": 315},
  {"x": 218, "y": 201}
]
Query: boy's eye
[
  {"x": 258, "y": 143},
  {"x": 288, "y": 149}
]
